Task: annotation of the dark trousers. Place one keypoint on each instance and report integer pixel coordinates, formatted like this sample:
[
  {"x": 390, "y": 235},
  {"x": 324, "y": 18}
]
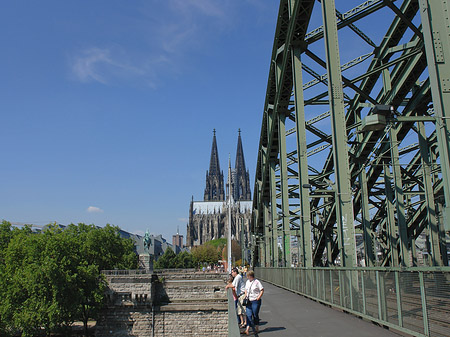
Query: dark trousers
[{"x": 253, "y": 313}]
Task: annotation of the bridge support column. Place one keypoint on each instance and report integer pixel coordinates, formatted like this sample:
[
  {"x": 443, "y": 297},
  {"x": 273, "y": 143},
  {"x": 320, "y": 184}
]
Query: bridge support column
[
  {"x": 274, "y": 214},
  {"x": 285, "y": 214},
  {"x": 303, "y": 181},
  {"x": 344, "y": 204},
  {"x": 268, "y": 244},
  {"x": 436, "y": 31},
  {"x": 390, "y": 218},
  {"x": 399, "y": 199},
  {"x": 437, "y": 257}
]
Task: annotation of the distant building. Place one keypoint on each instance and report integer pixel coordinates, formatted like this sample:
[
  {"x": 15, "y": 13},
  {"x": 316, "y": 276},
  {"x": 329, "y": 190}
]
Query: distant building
[
  {"x": 208, "y": 219},
  {"x": 177, "y": 242}
]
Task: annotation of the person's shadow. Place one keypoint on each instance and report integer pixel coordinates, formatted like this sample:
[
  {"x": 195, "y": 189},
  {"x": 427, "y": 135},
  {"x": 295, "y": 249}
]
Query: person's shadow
[{"x": 271, "y": 328}]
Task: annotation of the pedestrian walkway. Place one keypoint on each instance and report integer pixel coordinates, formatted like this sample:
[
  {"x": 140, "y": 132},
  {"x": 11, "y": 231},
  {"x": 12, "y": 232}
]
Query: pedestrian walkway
[{"x": 284, "y": 313}]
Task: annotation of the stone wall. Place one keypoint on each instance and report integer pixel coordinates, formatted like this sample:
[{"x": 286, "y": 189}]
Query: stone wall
[
  {"x": 165, "y": 304},
  {"x": 175, "y": 322}
]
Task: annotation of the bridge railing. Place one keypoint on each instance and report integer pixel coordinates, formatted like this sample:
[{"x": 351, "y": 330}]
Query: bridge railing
[
  {"x": 414, "y": 300},
  {"x": 233, "y": 328},
  {"x": 125, "y": 272}
]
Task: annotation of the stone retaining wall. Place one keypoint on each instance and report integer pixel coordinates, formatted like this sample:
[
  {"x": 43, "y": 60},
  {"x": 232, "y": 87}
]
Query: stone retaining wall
[{"x": 179, "y": 304}]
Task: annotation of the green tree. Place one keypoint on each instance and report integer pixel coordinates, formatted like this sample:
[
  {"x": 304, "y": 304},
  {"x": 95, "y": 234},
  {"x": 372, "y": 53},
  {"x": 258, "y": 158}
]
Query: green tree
[
  {"x": 36, "y": 283},
  {"x": 100, "y": 248},
  {"x": 206, "y": 254},
  {"x": 51, "y": 279},
  {"x": 184, "y": 260},
  {"x": 167, "y": 260},
  {"x": 5, "y": 237}
]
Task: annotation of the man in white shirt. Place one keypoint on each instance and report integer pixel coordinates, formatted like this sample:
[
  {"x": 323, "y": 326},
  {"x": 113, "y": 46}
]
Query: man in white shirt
[{"x": 239, "y": 286}]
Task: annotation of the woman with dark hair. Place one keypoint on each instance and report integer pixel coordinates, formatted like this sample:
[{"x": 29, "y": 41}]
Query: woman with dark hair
[{"x": 253, "y": 291}]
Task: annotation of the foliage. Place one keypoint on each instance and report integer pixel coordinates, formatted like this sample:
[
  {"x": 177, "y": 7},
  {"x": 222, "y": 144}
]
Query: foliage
[
  {"x": 50, "y": 279},
  {"x": 206, "y": 254},
  {"x": 236, "y": 253},
  {"x": 167, "y": 260},
  {"x": 170, "y": 260},
  {"x": 217, "y": 242},
  {"x": 184, "y": 260},
  {"x": 212, "y": 251}
]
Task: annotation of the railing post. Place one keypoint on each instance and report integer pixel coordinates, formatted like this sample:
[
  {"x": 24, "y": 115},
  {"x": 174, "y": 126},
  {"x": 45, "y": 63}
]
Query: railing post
[
  {"x": 426, "y": 330},
  {"x": 363, "y": 289},
  {"x": 399, "y": 300},
  {"x": 331, "y": 286},
  {"x": 323, "y": 284},
  {"x": 350, "y": 289},
  {"x": 378, "y": 294},
  {"x": 317, "y": 283}
]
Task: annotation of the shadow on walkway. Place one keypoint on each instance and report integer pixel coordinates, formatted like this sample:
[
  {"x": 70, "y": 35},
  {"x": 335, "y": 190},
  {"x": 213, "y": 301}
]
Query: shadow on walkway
[{"x": 284, "y": 313}]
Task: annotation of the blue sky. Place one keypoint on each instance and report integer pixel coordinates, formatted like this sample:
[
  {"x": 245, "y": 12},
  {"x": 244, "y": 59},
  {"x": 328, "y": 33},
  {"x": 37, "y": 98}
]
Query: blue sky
[{"x": 108, "y": 107}]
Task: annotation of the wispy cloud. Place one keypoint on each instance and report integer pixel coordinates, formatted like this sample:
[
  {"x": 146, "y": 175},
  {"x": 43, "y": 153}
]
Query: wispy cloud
[
  {"x": 210, "y": 8},
  {"x": 85, "y": 66},
  {"x": 111, "y": 65},
  {"x": 183, "y": 219},
  {"x": 168, "y": 34},
  {"x": 93, "y": 209}
]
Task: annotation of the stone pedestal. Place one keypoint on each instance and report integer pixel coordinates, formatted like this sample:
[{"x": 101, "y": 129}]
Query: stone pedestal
[{"x": 145, "y": 262}]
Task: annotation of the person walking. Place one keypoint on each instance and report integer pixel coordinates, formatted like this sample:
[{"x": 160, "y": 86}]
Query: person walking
[
  {"x": 254, "y": 291},
  {"x": 239, "y": 286}
]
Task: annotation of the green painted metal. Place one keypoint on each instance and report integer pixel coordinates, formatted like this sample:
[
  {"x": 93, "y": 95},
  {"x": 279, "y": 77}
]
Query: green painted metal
[
  {"x": 303, "y": 182},
  {"x": 268, "y": 243},
  {"x": 436, "y": 30},
  {"x": 423, "y": 318},
  {"x": 344, "y": 206},
  {"x": 399, "y": 198},
  {"x": 285, "y": 214},
  {"x": 399, "y": 300},
  {"x": 429, "y": 196},
  {"x": 327, "y": 185},
  {"x": 426, "y": 328},
  {"x": 391, "y": 228},
  {"x": 274, "y": 216}
]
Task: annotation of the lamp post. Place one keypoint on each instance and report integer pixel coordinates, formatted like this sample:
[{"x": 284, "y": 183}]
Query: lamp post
[{"x": 229, "y": 217}]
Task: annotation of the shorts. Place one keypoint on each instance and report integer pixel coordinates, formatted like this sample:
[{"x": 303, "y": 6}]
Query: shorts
[{"x": 240, "y": 307}]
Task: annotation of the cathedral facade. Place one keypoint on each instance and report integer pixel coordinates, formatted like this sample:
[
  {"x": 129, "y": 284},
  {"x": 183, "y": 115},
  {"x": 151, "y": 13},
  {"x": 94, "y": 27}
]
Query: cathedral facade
[{"x": 208, "y": 219}]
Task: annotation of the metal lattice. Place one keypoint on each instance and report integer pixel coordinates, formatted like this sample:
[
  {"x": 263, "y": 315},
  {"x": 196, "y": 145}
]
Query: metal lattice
[{"x": 353, "y": 162}]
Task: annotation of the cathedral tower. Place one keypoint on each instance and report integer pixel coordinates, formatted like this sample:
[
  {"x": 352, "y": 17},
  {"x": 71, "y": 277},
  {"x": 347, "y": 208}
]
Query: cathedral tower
[
  {"x": 208, "y": 219},
  {"x": 241, "y": 177},
  {"x": 214, "y": 190}
]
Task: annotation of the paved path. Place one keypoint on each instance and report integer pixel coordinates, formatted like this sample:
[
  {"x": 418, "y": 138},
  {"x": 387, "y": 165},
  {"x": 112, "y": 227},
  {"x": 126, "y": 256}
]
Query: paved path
[{"x": 284, "y": 313}]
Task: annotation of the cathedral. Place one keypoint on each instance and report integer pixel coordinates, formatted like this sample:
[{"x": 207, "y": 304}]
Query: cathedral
[{"x": 208, "y": 219}]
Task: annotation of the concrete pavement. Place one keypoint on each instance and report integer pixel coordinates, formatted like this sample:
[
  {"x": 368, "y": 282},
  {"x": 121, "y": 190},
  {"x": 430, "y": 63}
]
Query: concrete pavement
[{"x": 284, "y": 313}]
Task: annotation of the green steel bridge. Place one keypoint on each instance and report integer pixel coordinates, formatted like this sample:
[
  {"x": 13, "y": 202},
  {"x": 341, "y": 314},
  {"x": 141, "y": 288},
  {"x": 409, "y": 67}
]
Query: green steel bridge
[{"x": 352, "y": 186}]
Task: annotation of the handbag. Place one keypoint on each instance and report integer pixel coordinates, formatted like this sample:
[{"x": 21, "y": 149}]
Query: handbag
[{"x": 246, "y": 301}]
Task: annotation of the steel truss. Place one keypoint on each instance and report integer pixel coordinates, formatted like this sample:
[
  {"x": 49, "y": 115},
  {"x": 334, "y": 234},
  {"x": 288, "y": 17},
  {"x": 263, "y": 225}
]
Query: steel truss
[{"x": 327, "y": 178}]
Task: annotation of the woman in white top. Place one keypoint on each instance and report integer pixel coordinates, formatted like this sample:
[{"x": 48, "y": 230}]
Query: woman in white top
[{"x": 253, "y": 290}]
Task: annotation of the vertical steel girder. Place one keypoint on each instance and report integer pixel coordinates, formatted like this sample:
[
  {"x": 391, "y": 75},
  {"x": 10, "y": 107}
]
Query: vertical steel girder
[
  {"x": 336, "y": 184},
  {"x": 274, "y": 215},
  {"x": 303, "y": 180},
  {"x": 436, "y": 28},
  {"x": 344, "y": 206}
]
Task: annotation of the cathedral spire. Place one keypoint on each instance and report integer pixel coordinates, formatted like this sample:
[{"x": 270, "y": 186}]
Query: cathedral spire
[
  {"x": 214, "y": 190},
  {"x": 240, "y": 161},
  {"x": 241, "y": 176},
  {"x": 214, "y": 165}
]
